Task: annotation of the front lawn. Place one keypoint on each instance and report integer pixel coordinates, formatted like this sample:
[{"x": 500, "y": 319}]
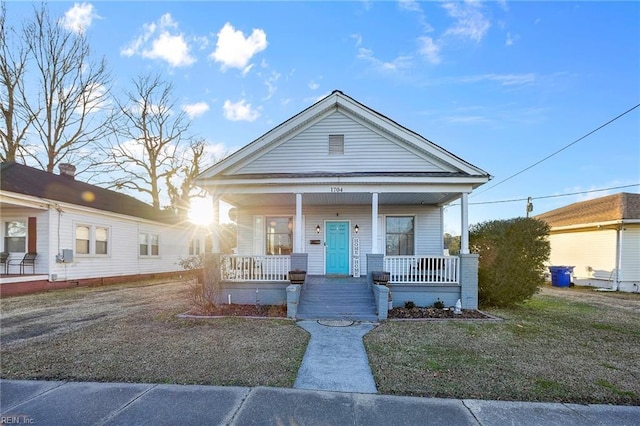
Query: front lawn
[{"x": 554, "y": 348}]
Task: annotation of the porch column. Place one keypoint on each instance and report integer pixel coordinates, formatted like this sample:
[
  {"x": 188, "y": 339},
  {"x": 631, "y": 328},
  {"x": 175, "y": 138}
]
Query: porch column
[
  {"x": 464, "y": 225},
  {"x": 298, "y": 242},
  {"x": 374, "y": 222},
  {"x": 215, "y": 225}
]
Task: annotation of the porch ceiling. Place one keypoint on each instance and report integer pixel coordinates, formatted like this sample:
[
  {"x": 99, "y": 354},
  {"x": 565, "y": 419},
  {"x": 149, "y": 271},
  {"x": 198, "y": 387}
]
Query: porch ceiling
[{"x": 352, "y": 199}]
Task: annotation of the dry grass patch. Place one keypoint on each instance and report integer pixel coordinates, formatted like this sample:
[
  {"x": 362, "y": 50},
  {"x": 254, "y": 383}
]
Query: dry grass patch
[
  {"x": 134, "y": 335},
  {"x": 549, "y": 349}
]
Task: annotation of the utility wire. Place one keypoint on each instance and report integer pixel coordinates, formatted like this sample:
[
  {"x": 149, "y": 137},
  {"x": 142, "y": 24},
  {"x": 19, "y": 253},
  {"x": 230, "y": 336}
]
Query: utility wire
[
  {"x": 550, "y": 196},
  {"x": 557, "y": 152}
]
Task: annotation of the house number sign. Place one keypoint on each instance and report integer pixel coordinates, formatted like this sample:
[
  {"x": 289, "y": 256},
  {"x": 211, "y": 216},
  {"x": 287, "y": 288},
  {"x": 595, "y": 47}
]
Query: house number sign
[{"x": 336, "y": 189}]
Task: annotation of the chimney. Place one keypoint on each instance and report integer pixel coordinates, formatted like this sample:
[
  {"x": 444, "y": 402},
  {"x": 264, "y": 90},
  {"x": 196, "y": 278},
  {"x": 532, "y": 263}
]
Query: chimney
[{"x": 67, "y": 170}]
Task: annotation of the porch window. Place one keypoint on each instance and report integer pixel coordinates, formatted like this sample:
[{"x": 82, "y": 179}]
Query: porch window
[
  {"x": 400, "y": 235},
  {"x": 15, "y": 236},
  {"x": 82, "y": 239},
  {"x": 279, "y": 235}
]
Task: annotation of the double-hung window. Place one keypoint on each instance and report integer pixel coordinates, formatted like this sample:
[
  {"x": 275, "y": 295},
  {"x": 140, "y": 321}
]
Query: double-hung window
[
  {"x": 149, "y": 244},
  {"x": 92, "y": 240},
  {"x": 279, "y": 235},
  {"x": 15, "y": 236},
  {"x": 400, "y": 235}
]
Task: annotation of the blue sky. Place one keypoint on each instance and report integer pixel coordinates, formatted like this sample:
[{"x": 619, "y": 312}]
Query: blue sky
[{"x": 500, "y": 84}]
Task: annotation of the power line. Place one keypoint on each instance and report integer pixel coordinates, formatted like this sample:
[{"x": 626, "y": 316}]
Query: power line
[
  {"x": 558, "y": 151},
  {"x": 550, "y": 196}
]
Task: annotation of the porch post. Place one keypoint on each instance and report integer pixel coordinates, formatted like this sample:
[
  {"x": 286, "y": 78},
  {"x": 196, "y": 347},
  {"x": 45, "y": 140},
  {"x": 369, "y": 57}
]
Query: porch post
[
  {"x": 374, "y": 222},
  {"x": 464, "y": 225},
  {"x": 215, "y": 225},
  {"x": 298, "y": 242}
]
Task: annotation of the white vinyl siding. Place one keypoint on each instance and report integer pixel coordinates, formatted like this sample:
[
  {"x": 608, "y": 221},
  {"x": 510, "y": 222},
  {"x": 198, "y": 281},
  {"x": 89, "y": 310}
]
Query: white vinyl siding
[
  {"x": 630, "y": 255},
  {"x": 591, "y": 253},
  {"x": 364, "y": 150}
]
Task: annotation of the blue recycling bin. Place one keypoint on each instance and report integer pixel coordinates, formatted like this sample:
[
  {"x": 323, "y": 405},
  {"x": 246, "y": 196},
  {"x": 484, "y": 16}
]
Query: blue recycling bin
[{"x": 561, "y": 275}]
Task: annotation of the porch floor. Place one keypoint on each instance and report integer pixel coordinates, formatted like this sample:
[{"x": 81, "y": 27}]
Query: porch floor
[{"x": 336, "y": 298}]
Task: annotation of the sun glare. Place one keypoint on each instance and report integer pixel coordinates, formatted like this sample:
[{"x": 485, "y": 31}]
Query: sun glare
[{"x": 201, "y": 211}]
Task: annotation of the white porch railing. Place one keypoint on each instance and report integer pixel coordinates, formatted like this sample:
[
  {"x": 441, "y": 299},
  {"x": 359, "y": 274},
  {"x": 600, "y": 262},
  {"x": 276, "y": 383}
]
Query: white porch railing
[
  {"x": 423, "y": 269},
  {"x": 255, "y": 268}
]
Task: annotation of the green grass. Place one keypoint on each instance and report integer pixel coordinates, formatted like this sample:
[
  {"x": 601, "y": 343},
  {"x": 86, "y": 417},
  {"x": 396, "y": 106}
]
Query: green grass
[{"x": 548, "y": 349}]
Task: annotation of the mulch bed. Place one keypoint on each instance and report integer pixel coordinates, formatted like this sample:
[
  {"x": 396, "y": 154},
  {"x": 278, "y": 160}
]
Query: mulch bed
[
  {"x": 435, "y": 313},
  {"x": 237, "y": 310}
]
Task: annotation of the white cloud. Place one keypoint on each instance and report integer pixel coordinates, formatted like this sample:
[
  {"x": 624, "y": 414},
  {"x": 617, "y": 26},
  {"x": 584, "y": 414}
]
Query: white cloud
[
  {"x": 511, "y": 39},
  {"x": 401, "y": 62},
  {"x": 195, "y": 110},
  {"x": 504, "y": 79},
  {"x": 233, "y": 50},
  {"x": 270, "y": 82},
  {"x": 160, "y": 40},
  {"x": 239, "y": 111},
  {"x": 470, "y": 22},
  {"x": 79, "y": 17},
  {"x": 429, "y": 49},
  {"x": 410, "y": 5},
  {"x": 313, "y": 85}
]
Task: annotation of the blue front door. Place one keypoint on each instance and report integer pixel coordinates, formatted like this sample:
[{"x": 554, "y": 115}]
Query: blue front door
[{"x": 337, "y": 238}]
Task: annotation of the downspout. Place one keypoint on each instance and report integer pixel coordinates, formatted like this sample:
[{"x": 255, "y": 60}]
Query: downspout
[{"x": 616, "y": 281}]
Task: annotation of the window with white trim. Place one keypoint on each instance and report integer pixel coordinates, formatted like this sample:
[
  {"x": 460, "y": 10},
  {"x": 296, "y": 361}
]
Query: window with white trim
[
  {"x": 194, "y": 247},
  {"x": 279, "y": 235},
  {"x": 400, "y": 235},
  {"x": 15, "y": 236},
  {"x": 336, "y": 144},
  {"x": 149, "y": 244},
  {"x": 92, "y": 240}
]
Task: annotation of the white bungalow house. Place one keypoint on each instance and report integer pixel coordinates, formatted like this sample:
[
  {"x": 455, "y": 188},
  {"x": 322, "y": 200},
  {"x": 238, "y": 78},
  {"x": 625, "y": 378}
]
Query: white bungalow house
[
  {"x": 82, "y": 234},
  {"x": 341, "y": 190},
  {"x": 600, "y": 240}
]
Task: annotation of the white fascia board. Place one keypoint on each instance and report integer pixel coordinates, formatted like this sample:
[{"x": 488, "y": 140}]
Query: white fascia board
[
  {"x": 47, "y": 204},
  {"x": 326, "y": 188},
  {"x": 346, "y": 180},
  {"x": 22, "y": 200},
  {"x": 596, "y": 225}
]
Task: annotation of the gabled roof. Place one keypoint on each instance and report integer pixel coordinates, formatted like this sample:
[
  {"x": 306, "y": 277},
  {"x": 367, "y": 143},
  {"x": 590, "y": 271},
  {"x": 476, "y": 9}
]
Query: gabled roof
[
  {"x": 21, "y": 179},
  {"x": 618, "y": 207},
  {"x": 337, "y": 101}
]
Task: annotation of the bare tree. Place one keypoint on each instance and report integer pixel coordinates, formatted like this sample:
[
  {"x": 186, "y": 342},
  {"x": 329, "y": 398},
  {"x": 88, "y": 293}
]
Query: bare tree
[
  {"x": 73, "y": 89},
  {"x": 16, "y": 117},
  {"x": 148, "y": 139},
  {"x": 185, "y": 167}
]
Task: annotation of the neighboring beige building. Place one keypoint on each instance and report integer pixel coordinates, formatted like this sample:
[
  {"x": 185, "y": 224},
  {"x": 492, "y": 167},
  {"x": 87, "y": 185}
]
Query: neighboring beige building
[{"x": 600, "y": 238}]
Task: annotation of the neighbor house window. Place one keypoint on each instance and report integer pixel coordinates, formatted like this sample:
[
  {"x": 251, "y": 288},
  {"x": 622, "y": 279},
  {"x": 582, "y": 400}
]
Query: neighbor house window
[
  {"x": 336, "y": 144},
  {"x": 148, "y": 244},
  {"x": 102, "y": 240},
  {"x": 92, "y": 240},
  {"x": 15, "y": 236},
  {"x": 400, "y": 235},
  {"x": 83, "y": 239},
  {"x": 194, "y": 246},
  {"x": 279, "y": 235}
]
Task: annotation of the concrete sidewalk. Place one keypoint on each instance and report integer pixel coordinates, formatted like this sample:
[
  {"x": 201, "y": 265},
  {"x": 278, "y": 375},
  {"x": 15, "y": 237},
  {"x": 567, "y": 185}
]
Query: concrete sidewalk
[{"x": 67, "y": 403}]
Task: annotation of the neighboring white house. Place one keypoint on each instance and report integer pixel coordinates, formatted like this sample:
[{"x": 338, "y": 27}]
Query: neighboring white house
[
  {"x": 340, "y": 189},
  {"x": 600, "y": 239},
  {"x": 83, "y": 232}
]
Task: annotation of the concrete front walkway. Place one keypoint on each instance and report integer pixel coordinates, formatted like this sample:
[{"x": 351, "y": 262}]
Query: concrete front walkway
[{"x": 335, "y": 359}]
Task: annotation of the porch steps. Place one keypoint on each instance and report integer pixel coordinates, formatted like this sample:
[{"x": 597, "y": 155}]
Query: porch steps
[{"x": 336, "y": 298}]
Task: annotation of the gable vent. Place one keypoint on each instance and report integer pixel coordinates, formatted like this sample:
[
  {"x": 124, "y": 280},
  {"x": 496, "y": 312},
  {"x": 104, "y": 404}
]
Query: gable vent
[{"x": 336, "y": 144}]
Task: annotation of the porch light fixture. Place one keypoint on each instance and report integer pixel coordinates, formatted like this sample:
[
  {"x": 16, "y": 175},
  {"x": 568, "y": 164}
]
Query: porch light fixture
[
  {"x": 356, "y": 228},
  {"x": 317, "y": 229}
]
